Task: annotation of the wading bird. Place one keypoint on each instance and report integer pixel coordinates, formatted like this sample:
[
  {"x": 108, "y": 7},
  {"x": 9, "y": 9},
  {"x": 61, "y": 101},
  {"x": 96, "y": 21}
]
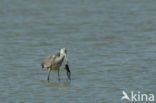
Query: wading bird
[{"x": 54, "y": 62}]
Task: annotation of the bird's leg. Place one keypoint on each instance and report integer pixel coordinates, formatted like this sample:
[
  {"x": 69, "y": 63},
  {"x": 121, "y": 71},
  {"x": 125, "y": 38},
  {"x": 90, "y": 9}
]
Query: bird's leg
[
  {"x": 59, "y": 74},
  {"x": 49, "y": 70}
]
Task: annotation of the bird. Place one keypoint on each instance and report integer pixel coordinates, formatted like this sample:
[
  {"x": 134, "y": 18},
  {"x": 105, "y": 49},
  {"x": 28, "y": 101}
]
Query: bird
[{"x": 54, "y": 62}]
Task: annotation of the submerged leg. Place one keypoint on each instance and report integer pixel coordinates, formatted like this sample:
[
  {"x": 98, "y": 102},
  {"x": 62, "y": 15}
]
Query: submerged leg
[
  {"x": 49, "y": 70},
  {"x": 58, "y": 74}
]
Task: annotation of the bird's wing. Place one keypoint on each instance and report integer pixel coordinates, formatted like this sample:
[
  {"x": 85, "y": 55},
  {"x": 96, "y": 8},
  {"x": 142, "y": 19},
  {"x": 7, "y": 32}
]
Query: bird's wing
[
  {"x": 54, "y": 56},
  {"x": 49, "y": 60}
]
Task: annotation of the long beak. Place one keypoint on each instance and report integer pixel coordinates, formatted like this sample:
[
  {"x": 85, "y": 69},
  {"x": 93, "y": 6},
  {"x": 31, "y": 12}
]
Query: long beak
[{"x": 66, "y": 58}]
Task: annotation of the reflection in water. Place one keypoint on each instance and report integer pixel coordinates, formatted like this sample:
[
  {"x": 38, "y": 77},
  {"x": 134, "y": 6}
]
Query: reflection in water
[{"x": 61, "y": 83}]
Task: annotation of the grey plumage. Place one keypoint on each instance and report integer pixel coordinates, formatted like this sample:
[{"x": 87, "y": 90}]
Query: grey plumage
[{"x": 54, "y": 61}]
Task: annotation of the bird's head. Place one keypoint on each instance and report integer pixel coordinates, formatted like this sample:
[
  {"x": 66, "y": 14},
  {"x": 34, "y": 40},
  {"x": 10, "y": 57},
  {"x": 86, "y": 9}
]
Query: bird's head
[{"x": 63, "y": 52}]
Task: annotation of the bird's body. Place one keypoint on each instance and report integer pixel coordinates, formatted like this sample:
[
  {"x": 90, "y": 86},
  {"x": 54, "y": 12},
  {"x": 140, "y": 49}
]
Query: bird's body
[{"x": 54, "y": 61}]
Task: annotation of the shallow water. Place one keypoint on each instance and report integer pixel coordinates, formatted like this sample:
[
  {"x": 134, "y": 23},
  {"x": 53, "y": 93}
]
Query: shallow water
[{"x": 111, "y": 47}]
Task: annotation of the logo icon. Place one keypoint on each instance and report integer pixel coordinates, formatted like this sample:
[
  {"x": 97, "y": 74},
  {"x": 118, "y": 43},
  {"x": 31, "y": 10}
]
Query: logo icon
[
  {"x": 137, "y": 97},
  {"x": 125, "y": 96}
]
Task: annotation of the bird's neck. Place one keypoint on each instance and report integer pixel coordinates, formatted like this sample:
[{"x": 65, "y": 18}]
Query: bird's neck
[{"x": 62, "y": 56}]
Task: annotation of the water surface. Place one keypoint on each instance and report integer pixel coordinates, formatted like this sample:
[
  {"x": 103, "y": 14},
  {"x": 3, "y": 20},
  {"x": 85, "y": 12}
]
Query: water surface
[{"x": 111, "y": 47}]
